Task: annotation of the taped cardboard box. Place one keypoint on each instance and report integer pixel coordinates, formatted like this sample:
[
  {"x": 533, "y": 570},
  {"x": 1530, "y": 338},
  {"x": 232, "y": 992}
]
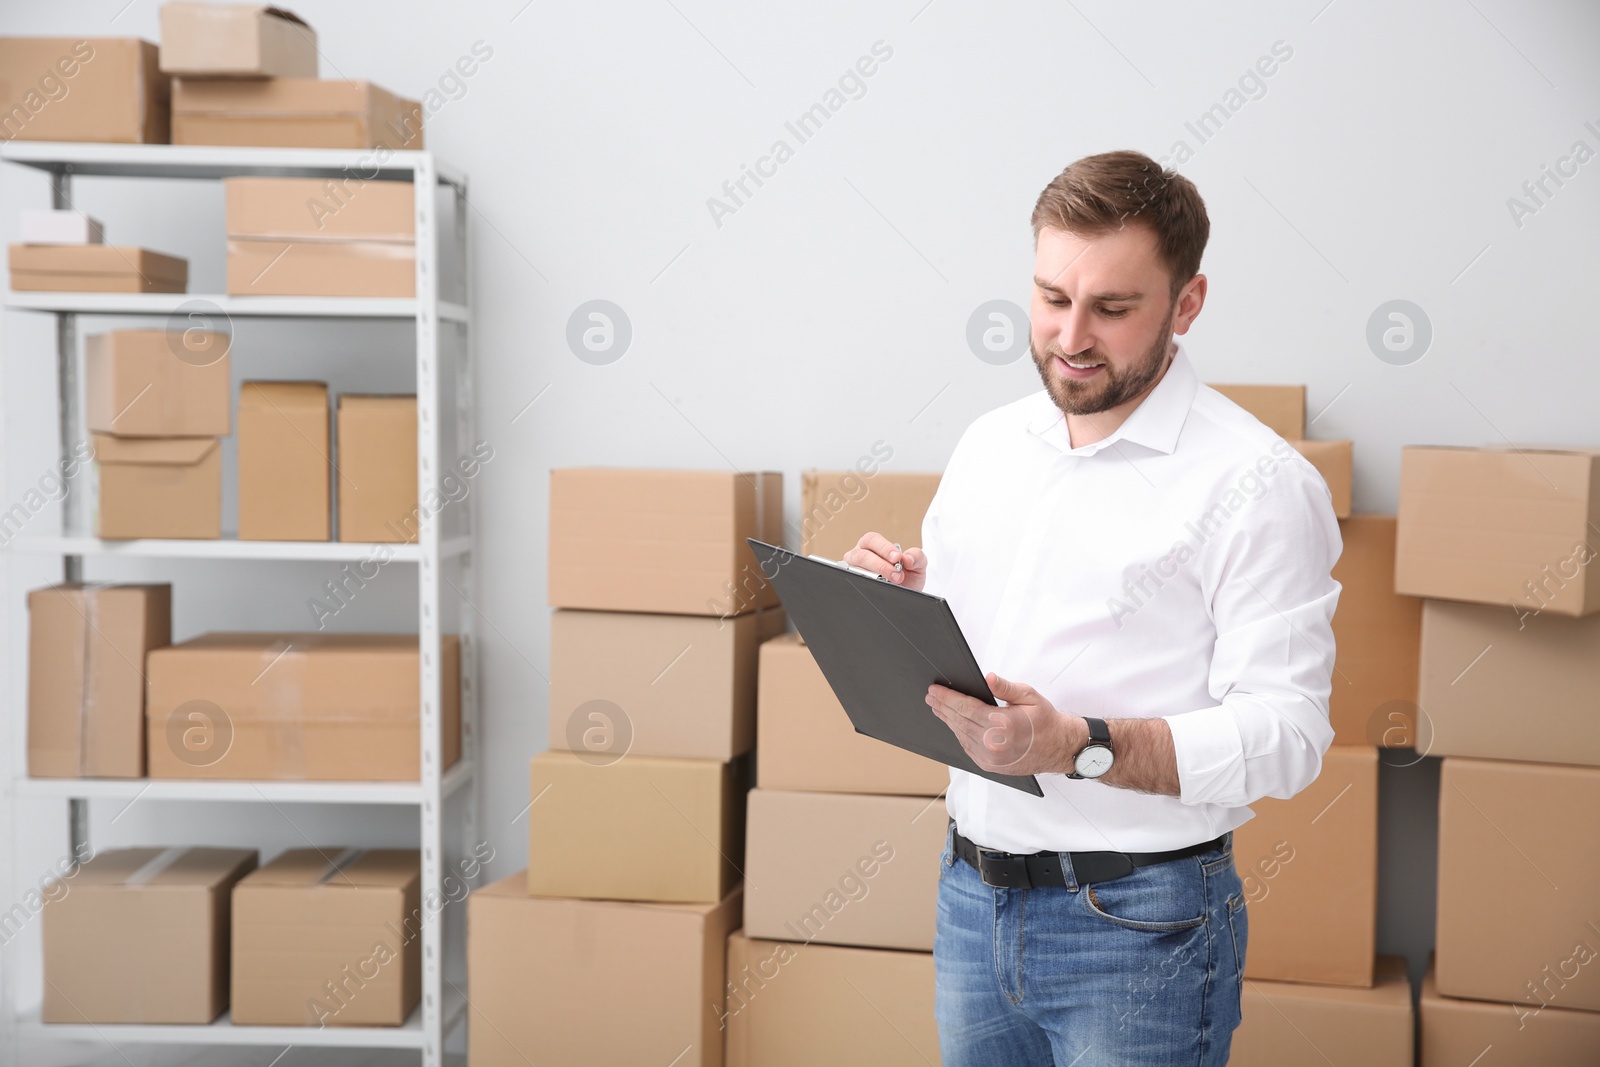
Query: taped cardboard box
[
  {"x": 1288, "y": 1023},
  {"x": 1479, "y": 666},
  {"x": 1333, "y": 461},
  {"x": 642, "y": 828},
  {"x": 843, "y": 869},
  {"x": 377, "y": 468},
  {"x": 1461, "y": 1033},
  {"x": 296, "y": 706},
  {"x": 329, "y": 937},
  {"x": 1310, "y": 871},
  {"x": 656, "y": 685},
  {"x": 661, "y": 540},
  {"x": 548, "y": 979},
  {"x": 159, "y": 487},
  {"x": 1536, "y": 943},
  {"x": 158, "y": 383},
  {"x": 1281, "y": 408},
  {"x": 878, "y": 1006},
  {"x": 808, "y": 742},
  {"x": 96, "y": 269},
  {"x": 316, "y": 237},
  {"x": 1378, "y": 633},
  {"x": 50, "y": 227},
  {"x": 837, "y": 507},
  {"x": 82, "y": 89},
  {"x": 1512, "y": 527},
  {"x": 141, "y": 935},
  {"x": 87, "y": 644},
  {"x": 294, "y": 113},
  {"x": 284, "y": 481},
  {"x": 236, "y": 41}
]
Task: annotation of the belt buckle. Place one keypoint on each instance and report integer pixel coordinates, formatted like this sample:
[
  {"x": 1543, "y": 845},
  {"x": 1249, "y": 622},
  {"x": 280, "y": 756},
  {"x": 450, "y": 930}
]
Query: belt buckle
[{"x": 1012, "y": 871}]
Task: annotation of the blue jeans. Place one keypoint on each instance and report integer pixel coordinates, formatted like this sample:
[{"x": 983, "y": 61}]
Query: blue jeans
[{"x": 1143, "y": 970}]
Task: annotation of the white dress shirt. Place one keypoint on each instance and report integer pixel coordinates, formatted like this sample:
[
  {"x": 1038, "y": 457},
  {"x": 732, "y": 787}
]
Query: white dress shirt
[{"x": 1178, "y": 568}]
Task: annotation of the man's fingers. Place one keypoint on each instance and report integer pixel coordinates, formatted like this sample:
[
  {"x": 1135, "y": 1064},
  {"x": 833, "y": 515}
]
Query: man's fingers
[
  {"x": 914, "y": 559},
  {"x": 874, "y": 553}
]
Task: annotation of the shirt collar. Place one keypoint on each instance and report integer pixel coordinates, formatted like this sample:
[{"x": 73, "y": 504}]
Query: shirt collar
[{"x": 1155, "y": 423}]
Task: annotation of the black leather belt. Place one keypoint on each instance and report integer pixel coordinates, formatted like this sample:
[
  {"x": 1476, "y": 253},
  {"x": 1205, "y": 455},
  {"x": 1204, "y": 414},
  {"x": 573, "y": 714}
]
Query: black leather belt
[{"x": 1009, "y": 870}]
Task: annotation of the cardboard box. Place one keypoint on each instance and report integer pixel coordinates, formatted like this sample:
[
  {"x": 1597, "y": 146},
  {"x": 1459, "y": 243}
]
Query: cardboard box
[
  {"x": 1511, "y": 527},
  {"x": 159, "y": 487},
  {"x": 837, "y": 507},
  {"x": 156, "y": 383},
  {"x": 284, "y": 480},
  {"x": 808, "y": 742},
  {"x": 1287, "y": 1023},
  {"x": 301, "y": 706},
  {"x": 236, "y": 41},
  {"x": 655, "y": 685},
  {"x": 86, "y": 651},
  {"x": 82, "y": 89},
  {"x": 878, "y": 1006},
  {"x": 1501, "y": 685},
  {"x": 1333, "y": 461},
  {"x": 843, "y": 869},
  {"x": 140, "y": 935},
  {"x": 1282, "y": 408},
  {"x": 661, "y": 540},
  {"x": 377, "y": 468},
  {"x": 96, "y": 269},
  {"x": 48, "y": 227},
  {"x": 313, "y": 237},
  {"x": 640, "y": 828},
  {"x": 1456, "y": 1033},
  {"x": 321, "y": 268},
  {"x": 294, "y": 113},
  {"x": 601, "y": 982},
  {"x": 329, "y": 937},
  {"x": 1532, "y": 824},
  {"x": 1310, "y": 871},
  {"x": 1378, "y": 633}
]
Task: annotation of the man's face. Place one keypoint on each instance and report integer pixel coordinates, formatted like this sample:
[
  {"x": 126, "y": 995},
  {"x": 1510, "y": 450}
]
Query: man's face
[{"x": 1101, "y": 318}]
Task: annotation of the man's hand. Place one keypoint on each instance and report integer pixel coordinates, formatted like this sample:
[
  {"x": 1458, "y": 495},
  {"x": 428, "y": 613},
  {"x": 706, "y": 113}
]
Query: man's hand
[
  {"x": 1026, "y": 735},
  {"x": 876, "y": 553}
]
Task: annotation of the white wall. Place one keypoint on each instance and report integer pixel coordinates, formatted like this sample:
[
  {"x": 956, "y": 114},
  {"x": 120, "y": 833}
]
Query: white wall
[{"x": 829, "y": 311}]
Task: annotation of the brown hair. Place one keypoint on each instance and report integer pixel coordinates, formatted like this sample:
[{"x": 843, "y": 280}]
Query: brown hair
[{"x": 1106, "y": 192}]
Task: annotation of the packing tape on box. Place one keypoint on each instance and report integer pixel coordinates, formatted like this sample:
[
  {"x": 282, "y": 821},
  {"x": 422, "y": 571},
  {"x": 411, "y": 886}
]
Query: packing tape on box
[
  {"x": 91, "y": 665},
  {"x": 282, "y": 710},
  {"x": 153, "y": 866},
  {"x": 339, "y": 864}
]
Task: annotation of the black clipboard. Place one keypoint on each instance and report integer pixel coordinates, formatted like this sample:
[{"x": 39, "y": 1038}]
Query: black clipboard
[{"x": 880, "y": 646}]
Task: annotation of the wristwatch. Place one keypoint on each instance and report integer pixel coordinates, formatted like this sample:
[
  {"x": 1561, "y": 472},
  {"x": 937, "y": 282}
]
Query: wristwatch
[{"x": 1095, "y": 758}]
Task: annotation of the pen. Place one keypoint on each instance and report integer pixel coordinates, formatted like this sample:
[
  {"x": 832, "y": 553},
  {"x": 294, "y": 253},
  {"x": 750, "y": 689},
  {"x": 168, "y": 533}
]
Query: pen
[{"x": 897, "y": 566}]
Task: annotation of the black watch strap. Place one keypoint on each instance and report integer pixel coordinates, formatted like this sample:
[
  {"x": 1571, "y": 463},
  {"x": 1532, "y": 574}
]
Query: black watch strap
[{"x": 1098, "y": 731}]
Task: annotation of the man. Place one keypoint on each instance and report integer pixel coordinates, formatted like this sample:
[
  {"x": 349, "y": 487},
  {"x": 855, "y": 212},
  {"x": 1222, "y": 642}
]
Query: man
[{"x": 1142, "y": 568}]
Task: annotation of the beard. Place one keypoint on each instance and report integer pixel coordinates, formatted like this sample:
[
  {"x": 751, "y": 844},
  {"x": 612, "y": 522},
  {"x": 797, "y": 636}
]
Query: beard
[{"x": 1110, "y": 387}]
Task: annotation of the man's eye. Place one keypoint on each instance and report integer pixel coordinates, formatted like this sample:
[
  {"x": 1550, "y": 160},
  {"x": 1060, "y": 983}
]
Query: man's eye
[
  {"x": 1113, "y": 313},
  {"x": 1055, "y": 303}
]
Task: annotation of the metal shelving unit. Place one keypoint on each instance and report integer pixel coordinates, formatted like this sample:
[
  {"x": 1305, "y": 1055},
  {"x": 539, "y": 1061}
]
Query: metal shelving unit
[{"x": 442, "y": 1006}]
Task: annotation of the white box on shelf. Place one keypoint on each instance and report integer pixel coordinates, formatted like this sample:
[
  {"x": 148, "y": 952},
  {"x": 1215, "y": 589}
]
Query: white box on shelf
[{"x": 45, "y": 227}]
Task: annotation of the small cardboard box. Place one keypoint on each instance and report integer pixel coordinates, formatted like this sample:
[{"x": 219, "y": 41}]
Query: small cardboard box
[
  {"x": 1288, "y": 1023},
  {"x": 878, "y": 1005},
  {"x": 313, "y": 237},
  {"x": 1282, "y": 408},
  {"x": 1377, "y": 632},
  {"x": 1503, "y": 685},
  {"x": 45, "y": 226},
  {"x": 635, "y": 828},
  {"x": 140, "y": 935},
  {"x": 321, "y": 268},
  {"x": 329, "y": 937},
  {"x": 1333, "y": 461},
  {"x": 377, "y": 468},
  {"x": 656, "y": 685},
  {"x": 82, "y": 89},
  {"x": 86, "y": 651},
  {"x": 236, "y": 41},
  {"x": 284, "y": 479},
  {"x": 1459, "y": 1033},
  {"x": 1534, "y": 822},
  {"x": 300, "y": 706},
  {"x": 808, "y": 742},
  {"x": 157, "y": 383},
  {"x": 96, "y": 269},
  {"x": 1513, "y": 527},
  {"x": 1310, "y": 871},
  {"x": 661, "y": 540},
  {"x": 159, "y": 486},
  {"x": 843, "y": 869},
  {"x": 293, "y": 113},
  {"x": 548, "y": 978},
  {"x": 837, "y": 507}
]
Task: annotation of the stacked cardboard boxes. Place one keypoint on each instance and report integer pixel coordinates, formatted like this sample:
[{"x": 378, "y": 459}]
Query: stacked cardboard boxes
[
  {"x": 1282, "y": 409},
  {"x": 315, "y": 237}
]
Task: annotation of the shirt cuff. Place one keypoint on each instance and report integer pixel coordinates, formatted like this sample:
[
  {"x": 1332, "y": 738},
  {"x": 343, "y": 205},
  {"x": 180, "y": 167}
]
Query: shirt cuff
[{"x": 1210, "y": 756}]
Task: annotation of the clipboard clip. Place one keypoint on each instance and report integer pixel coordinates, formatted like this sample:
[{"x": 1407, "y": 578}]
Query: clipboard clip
[{"x": 842, "y": 565}]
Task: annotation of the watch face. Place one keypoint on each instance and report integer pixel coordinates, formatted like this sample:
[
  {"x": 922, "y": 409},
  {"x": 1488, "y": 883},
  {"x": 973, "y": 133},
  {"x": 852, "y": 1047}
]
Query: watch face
[{"x": 1093, "y": 761}]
